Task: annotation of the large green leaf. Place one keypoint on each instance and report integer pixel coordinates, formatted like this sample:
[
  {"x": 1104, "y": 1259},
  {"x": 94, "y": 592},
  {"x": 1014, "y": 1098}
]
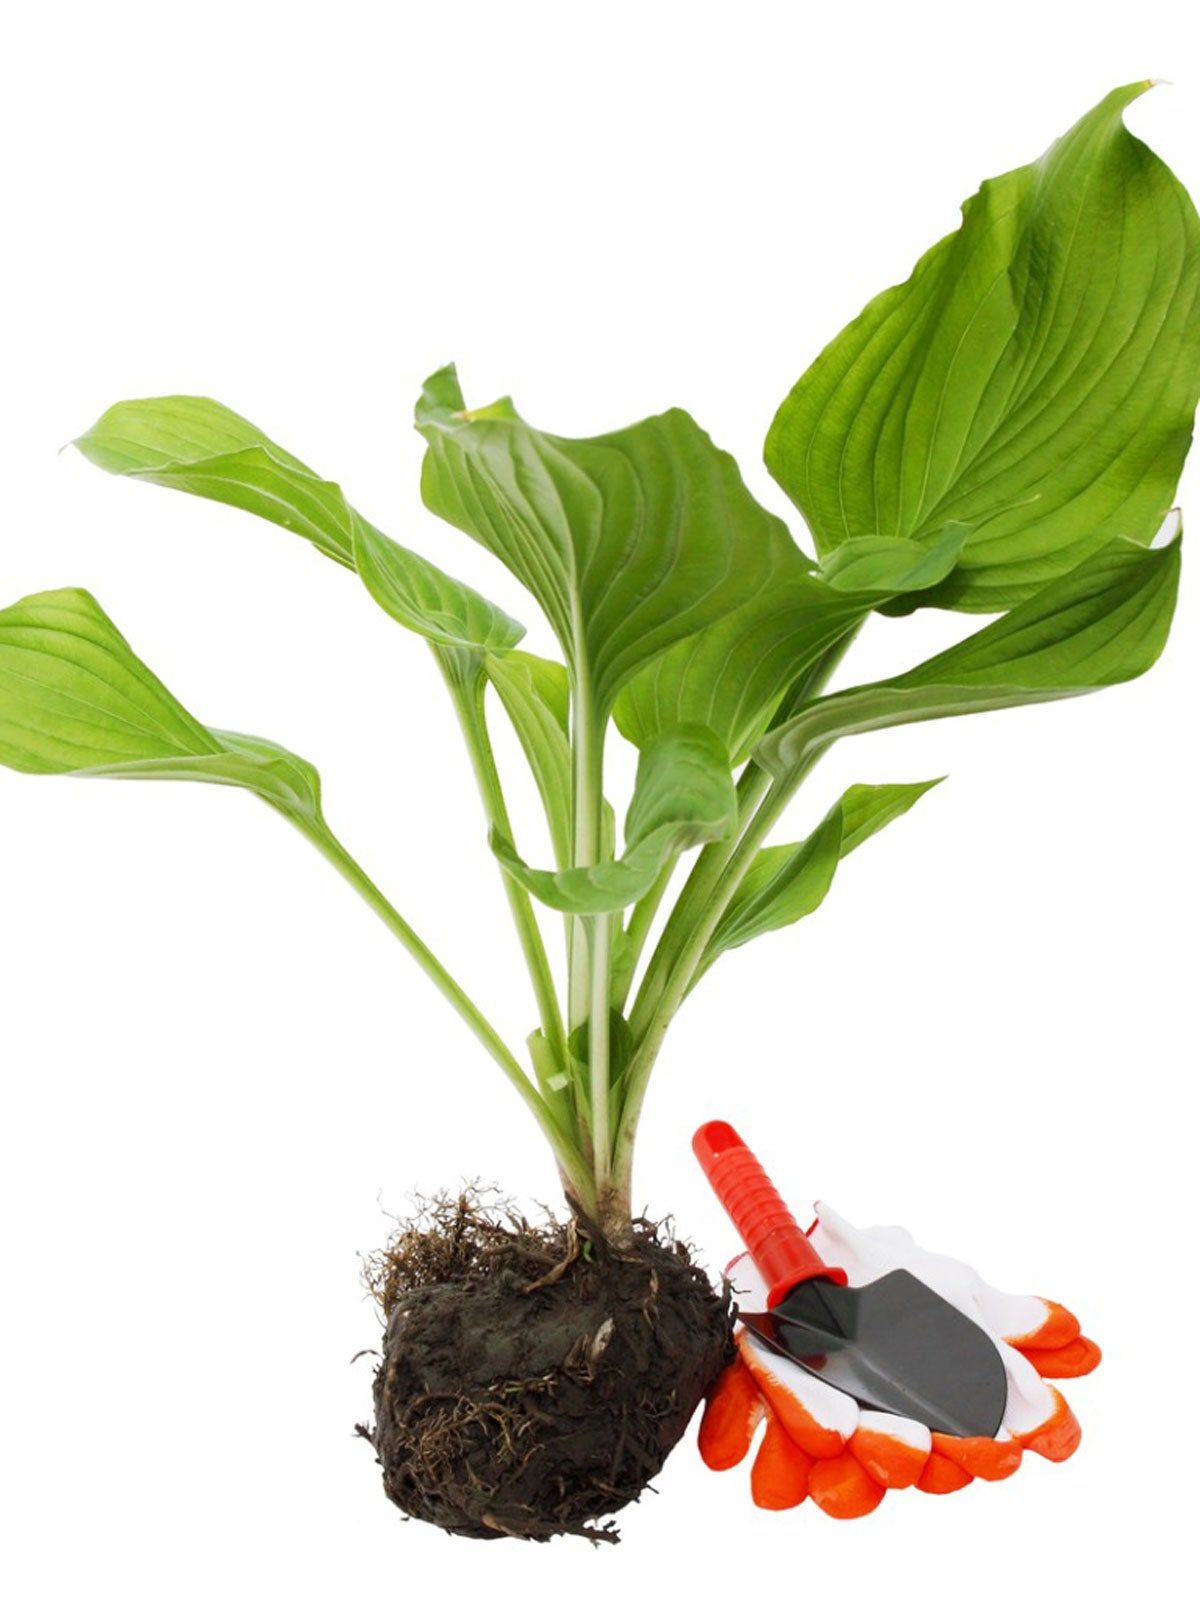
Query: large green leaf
[
  {"x": 536, "y": 695},
  {"x": 1102, "y": 624},
  {"x": 1035, "y": 378},
  {"x": 629, "y": 542},
  {"x": 684, "y": 796},
  {"x": 186, "y": 442},
  {"x": 788, "y": 881},
  {"x": 75, "y": 699},
  {"x": 732, "y": 675}
]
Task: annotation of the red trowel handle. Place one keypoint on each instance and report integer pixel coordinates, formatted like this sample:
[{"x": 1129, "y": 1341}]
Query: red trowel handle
[{"x": 774, "y": 1238}]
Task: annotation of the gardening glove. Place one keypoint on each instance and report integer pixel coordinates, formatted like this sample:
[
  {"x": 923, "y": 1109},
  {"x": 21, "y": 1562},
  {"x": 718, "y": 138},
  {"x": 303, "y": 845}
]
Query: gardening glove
[{"x": 819, "y": 1443}]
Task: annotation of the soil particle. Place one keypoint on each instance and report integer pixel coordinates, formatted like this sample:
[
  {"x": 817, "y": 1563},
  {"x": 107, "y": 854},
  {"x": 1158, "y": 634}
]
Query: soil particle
[{"x": 534, "y": 1379}]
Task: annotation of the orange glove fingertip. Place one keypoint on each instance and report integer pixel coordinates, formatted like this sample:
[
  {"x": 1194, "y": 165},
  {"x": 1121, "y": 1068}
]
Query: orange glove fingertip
[
  {"x": 843, "y": 1488},
  {"x": 942, "y": 1476},
  {"x": 732, "y": 1412},
  {"x": 891, "y": 1462},
  {"x": 990, "y": 1459},
  {"x": 1074, "y": 1360},
  {"x": 1058, "y": 1437},
  {"x": 779, "y": 1476}
]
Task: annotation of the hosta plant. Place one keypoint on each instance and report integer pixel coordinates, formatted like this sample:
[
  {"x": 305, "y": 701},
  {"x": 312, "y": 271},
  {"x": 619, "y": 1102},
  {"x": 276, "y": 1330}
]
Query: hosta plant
[{"x": 1002, "y": 433}]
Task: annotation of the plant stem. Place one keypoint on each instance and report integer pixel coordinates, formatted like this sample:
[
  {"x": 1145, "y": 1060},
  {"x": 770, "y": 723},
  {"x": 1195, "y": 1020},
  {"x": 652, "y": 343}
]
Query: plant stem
[
  {"x": 467, "y": 693},
  {"x": 599, "y": 938},
  {"x": 591, "y": 936},
  {"x": 585, "y": 852},
  {"x": 700, "y": 884},
  {"x": 677, "y": 982},
  {"x": 567, "y": 1157},
  {"x": 641, "y": 919}
]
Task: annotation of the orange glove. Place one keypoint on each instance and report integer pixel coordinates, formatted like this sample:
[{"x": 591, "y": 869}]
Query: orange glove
[{"x": 820, "y": 1444}]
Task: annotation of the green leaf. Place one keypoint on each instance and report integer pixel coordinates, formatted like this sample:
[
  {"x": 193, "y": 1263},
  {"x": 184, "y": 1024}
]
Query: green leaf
[
  {"x": 1034, "y": 378},
  {"x": 629, "y": 542},
  {"x": 620, "y": 1045},
  {"x": 200, "y": 446},
  {"x": 732, "y": 675},
  {"x": 244, "y": 761},
  {"x": 868, "y": 807},
  {"x": 427, "y": 600},
  {"x": 784, "y": 883},
  {"x": 1104, "y": 623},
  {"x": 189, "y": 443},
  {"x": 684, "y": 796},
  {"x": 536, "y": 695},
  {"x": 893, "y": 566},
  {"x": 789, "y": 881},
  {"x": 75, "y": 699}
]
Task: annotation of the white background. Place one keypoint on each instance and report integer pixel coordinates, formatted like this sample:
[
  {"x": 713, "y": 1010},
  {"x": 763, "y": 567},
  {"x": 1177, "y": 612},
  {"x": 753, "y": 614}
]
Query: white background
[{"x": 219, "y": 1074}]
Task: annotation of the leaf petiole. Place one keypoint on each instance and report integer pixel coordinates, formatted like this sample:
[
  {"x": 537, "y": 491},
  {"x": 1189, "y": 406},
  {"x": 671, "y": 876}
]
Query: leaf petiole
[
  {"x": 333, "y": 850},
  {"x": 724, "y": 873},
  {"x": 591, "y": 941},
  {"x": 632, "y": 939},
  {"x": 467, "y": 690}
]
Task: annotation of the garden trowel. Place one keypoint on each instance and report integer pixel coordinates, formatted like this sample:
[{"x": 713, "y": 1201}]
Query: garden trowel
[{"x": 893, "y": 1345}]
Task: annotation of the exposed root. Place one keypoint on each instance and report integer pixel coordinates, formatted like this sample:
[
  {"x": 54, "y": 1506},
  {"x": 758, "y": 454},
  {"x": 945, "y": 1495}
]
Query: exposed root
[{"x": 557, "y": 1271}]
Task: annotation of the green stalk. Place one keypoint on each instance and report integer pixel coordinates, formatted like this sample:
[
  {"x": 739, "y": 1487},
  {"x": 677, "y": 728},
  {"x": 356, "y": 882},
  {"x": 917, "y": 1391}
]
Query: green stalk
[
  {"x": 599, "y": 937},
  {"x": 700, "y": 884},
  {"x": 585, "y": 851},
  {"x": 331, "y": 848},
  {"x": 467, "y": 692},
  {"x": 641, "y": 919},
  {"x": 677, "y": 983},
  {"x": 591, "y": 936}
]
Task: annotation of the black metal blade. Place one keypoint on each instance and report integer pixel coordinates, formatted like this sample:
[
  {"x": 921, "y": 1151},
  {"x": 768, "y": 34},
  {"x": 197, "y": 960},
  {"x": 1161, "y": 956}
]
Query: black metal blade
[{"x": 893, "y": 1345}]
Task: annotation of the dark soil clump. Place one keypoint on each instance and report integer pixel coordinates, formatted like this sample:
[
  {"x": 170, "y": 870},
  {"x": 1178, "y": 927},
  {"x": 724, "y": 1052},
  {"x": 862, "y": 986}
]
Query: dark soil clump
[{"x": 534, "y": 1379}]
